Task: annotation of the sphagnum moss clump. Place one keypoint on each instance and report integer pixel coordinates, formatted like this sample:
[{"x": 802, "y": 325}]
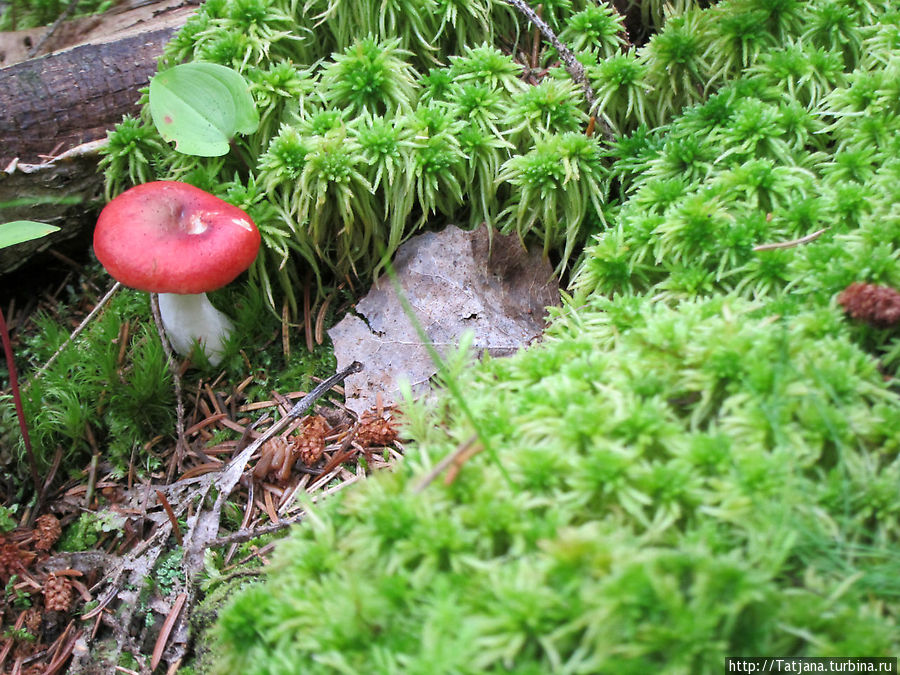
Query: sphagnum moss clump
[
  {"x": 700, "y": 459},
  {"x": 332, "y": 63},
  {"x": 683, "y": 484},
  {"x": 89, "y": 396}
]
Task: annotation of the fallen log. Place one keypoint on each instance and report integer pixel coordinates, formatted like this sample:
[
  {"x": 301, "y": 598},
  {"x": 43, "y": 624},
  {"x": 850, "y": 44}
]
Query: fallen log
[{"x": 57, "y": 108}]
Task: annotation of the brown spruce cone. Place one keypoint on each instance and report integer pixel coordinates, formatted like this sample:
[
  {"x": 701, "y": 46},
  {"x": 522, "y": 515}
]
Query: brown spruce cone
[
  {"x": 878, "y": 305},
  {"x": 12, "y": 559},
  {"x": 31, "y": 623},
  {"x": 47, "y": 531},
  {"x": 57, "y": 593},
  {"x": 310, "y": 445},
  {"x": 32, "y": 620},
  {"x": 375, "y": 432}
]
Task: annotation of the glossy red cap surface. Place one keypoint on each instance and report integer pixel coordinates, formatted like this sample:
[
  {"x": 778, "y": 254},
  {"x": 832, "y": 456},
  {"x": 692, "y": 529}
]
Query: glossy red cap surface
[{"x": 169, "y": 237}]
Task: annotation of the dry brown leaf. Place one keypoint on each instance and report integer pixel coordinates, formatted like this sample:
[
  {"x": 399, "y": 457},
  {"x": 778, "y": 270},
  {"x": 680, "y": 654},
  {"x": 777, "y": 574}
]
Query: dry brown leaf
[{"x": 456, "y": 282}]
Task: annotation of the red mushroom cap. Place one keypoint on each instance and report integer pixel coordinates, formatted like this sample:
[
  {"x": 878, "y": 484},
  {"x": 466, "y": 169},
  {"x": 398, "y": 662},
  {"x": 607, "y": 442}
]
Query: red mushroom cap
[{"x": 168, "y": 237}]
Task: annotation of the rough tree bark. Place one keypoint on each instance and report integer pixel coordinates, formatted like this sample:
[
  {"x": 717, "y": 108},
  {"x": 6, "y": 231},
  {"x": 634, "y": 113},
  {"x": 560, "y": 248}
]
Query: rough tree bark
[
  {"x": 72, "y": 97},
  {"x": 55, "y": 111}
]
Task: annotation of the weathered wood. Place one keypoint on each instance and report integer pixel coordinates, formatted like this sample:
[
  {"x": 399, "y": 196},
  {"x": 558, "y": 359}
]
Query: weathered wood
[
  {"x": 66, "y": 193},
  {"x": 56, "y": 109},
  {"x": 72, "y": 97},
  {"x": 126, "y": 18}
]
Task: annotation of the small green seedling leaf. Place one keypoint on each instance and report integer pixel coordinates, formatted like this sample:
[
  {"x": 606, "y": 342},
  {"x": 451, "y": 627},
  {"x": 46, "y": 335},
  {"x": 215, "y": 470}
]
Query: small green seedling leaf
[
  {"x": 201, "y": 106},
  {"x": 23, "y": 230}
]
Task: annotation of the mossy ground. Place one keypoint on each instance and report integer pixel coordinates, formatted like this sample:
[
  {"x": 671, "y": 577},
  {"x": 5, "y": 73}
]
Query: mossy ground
[
  {"x": 662, "y": 488},
  {"x": 112, "y": 388},
  {"x": 700, "y": 459}
]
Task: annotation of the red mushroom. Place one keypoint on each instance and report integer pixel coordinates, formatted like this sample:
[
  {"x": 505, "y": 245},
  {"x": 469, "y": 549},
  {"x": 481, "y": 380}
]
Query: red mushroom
[{"x": 179, "y": 241}]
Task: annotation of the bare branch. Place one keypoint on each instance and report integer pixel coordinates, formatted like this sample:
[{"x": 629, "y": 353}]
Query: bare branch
[
  {"x": 100, "y": 305},
  {"x": 572, "y": 64},
  {"x": 794, "y": 242}
]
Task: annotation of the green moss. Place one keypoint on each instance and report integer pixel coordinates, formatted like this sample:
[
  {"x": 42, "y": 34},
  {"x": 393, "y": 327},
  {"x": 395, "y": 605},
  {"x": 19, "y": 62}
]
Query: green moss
[
  {"x": 22, "y": 14},
  {"x": 7, "y": 518},
  {"x": 368, "y": 76},
  {"x": 749, "y": 167},
  {"x": 90, "y": 389},
  {"x": 121, "y": 396},
  {"x": 85, "y": 532},
  {"x": 128, "y": 660},
  {"x": 167, "y": 574},
  {"x": 313, "y": 176},
  {"x": 700, "y": 459},
  {"x": 675, "y": 488}
]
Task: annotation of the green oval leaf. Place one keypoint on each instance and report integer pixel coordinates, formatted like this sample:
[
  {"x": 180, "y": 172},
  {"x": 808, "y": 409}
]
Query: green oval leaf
[
  {"x": 23, "y": 230},
  {"x": 201, "y": 106}
]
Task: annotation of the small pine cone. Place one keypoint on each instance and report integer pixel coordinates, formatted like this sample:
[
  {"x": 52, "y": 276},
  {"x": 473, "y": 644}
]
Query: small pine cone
[
  {"x": 32, "y": 620},
  {"x": 309, "y": 449},
  {"x": 47, "y": 531},
  {"x": 878, "y": 305},
  {"x": 12, "y": 559},
  {"x": 316, "y": 424},
  {"x": 31, "y": 623},
  {"x": 57, "y": 593},
  {"x": 311, "y": 444},
  {"x": 375, "y": 432}
]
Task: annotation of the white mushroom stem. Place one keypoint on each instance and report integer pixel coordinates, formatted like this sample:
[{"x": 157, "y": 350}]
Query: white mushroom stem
[{"x": 192, "y": 318}]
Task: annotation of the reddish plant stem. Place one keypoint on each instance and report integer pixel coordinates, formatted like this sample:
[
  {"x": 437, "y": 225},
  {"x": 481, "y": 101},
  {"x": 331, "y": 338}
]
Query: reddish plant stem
[{"x": 17, "y": 399}]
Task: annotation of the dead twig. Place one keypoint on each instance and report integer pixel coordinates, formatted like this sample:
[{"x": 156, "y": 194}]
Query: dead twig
[
  {"x": 339, "y": 456},
  {"x": 307, "y": 314},
  {"x": 536, "y": 40},
  {"x": 8, "y": 645},
  {"x": 166, "y": 630},
  {"x": 249, "y": 508},
  {"x": 794, "y": 242},
  {"x": 455, "y": 460},
  {"x": 176, "y": 528},
  {"x": 459, "y": 459},
  {"x": 92, "y": 480},
  {"x": 67, "y": 12},
  {"x": 20, "y": 411},
  {"x": 285, "y": 331},
  {"x": 247, "y": 534},
  {"x": 75, "y": 333},
  {"x": 573, "y": 65},
  {"x": 66, "y": 644},
  {"x": 320, "y": 319}
]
